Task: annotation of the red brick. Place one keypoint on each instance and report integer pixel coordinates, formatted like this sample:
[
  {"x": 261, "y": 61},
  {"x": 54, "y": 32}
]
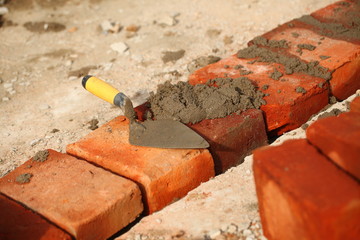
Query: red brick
[
  {"x": 233, "y": 137},
  {"x": 284, "y": 111},
  {"x": 86, "y": 201},
  {"x": 302, "y": 195},
  {"x": 339, "y": 139},
  {"x": 18, "y": 222},
  {"x": 355, "y": 105},
  {"x": 344, "y": 52},
  {"x": 164, "y": 175}
]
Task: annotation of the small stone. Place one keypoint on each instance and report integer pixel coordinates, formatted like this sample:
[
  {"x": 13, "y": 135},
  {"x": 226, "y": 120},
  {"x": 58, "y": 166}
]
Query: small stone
[
  {"x": 5, "y": 99},
  {"x": 3, "y": 10},
  {"x": 119, "y": 47},
  {"x": 35, "y": 141},
  {"x": 110, "y": 27},
  {"x": 132, "y": 28},
  {"x": 8, "y": 85},
  {"x": 247, "y": 232}
]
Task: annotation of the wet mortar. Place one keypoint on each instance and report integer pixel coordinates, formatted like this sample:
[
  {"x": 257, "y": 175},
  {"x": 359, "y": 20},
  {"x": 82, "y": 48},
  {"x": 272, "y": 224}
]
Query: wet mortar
[
  {"x": 216, "y": 99},
  {"x": 41, "y": 156},
  {"x": 24, "y": 178}
]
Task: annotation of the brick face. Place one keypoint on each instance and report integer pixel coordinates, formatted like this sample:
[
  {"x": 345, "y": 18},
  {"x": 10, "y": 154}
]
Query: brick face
[
  {"x": 233, "y": 137},
  {"x": 86, "y": 201},
  {"x": 18, "y": 222},
  {"x": 302, "y": 195},
  {"x": 338, "y": 138},
  {"x": 164, "y": 175}
]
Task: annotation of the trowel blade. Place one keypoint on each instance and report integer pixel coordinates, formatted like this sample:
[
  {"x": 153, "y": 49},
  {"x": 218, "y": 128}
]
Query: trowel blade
[{"x": 165, "y": 134}]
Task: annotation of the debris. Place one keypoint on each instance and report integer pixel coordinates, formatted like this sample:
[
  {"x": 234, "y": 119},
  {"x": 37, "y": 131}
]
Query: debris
[
  {"x": 110, "y": 27},
  {"x": 172, "y": 56},
  {"x": 201, "y": 62},
  {"x": 93, "y": 124},
  {"x": 119, "y": 47}
]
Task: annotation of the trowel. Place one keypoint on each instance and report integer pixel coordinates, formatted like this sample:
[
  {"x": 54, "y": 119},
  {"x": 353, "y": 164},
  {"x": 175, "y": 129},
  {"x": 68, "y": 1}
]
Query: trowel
[{"x": 150, "y": 133}]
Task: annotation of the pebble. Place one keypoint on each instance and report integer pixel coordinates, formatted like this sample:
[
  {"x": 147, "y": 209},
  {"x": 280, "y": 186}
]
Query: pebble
[
  {"x": 34, "y": 142},
  {"x": 167, "y": 20},
  {"x": 5, "y": 99},
  {"x": 8, "y": 85},
  {"x": 110, "y": 27},
  {"x": 119, "y": 47},
  {"x": 247, "y": 232},
  {"x": 3, "y": 10}
]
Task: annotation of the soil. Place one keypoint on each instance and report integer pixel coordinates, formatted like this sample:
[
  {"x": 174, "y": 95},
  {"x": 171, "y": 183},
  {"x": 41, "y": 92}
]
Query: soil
[
  {"x": 41, "y": 156},
  {"x": 191, "y": 104}
]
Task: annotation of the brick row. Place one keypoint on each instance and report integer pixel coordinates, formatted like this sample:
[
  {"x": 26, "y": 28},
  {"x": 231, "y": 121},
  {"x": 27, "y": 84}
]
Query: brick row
[
  {"x": 78, "y": 199},
  {"x": 298, "y": 65}
]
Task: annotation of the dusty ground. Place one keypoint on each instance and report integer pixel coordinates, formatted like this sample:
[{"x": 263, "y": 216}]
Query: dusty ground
[{"x": 45, "y": 47}]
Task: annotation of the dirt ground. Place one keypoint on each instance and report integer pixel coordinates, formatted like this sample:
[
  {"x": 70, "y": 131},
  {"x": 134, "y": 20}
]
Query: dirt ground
[{"x": 46, "y": 46}]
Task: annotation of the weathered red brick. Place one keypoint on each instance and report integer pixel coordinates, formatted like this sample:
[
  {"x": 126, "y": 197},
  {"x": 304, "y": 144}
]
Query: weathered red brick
[
  {"x": 339, "y": 139},
  {"x": 233, "y": 137},
  {"x": 344, "y": 52},
  {"x": 86, "y": 201},
  {"x": 285, "y": 108},
  {"x": 164, "y": 175},
  {"x": 302, "y": 195},
  {"x": 18, "y": 222},
  {"x": 355, "y": 105}
]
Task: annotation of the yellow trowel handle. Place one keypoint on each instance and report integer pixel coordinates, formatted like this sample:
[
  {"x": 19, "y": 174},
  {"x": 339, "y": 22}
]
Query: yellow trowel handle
[{"x": 104, "y": 90}]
